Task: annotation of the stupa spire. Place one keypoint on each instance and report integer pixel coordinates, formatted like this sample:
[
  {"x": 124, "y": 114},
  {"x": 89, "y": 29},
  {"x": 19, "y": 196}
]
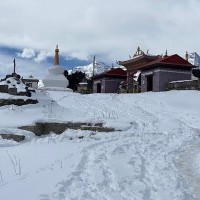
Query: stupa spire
[{"x": 56, "y": 59}]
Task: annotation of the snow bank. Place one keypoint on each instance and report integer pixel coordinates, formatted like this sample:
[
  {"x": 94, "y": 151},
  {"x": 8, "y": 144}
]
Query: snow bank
[
  {"x": 155, "y": 156},
  {"x": 13, "y": 83}
]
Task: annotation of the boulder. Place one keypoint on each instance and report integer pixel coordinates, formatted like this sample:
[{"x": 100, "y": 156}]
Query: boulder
[
  {"x": 17, "y": 138},
  {"x": 17, "y": 102},
  {"x": 58, "y": 128}
]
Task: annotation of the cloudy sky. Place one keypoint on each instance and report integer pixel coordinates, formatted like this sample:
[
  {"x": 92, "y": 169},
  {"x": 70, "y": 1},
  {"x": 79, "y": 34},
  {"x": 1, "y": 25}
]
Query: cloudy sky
[{"x": 110, "y": 29}]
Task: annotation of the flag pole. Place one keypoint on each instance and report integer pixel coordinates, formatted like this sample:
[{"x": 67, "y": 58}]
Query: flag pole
[
  {"x": 14, "y": 65},
  {"x": 93, "y": 65}
]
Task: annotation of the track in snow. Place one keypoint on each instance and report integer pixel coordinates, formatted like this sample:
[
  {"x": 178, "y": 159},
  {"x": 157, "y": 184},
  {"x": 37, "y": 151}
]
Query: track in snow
[{"x": 152, "y": 158}]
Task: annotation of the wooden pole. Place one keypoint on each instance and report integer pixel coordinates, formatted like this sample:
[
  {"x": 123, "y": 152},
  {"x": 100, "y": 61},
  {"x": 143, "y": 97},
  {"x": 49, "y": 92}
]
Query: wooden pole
[
  {"x": 14, "y": 65},
  {"x": 93, "y": 65}
]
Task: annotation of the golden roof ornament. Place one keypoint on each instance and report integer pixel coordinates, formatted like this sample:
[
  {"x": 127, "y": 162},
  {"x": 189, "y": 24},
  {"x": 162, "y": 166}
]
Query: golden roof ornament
[
  {"x": 139, "y": 52},
  {"x": 166, "y": 53},
  {"x": 187, "y": 56}
]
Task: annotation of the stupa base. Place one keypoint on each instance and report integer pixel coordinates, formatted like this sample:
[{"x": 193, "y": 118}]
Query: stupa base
[{"x": 55, "y": 89}]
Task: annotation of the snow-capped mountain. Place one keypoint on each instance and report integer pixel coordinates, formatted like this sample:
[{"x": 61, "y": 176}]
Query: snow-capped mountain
[
  {"x": 194, "y": 59},
  {"x": 99, "y": 67}
]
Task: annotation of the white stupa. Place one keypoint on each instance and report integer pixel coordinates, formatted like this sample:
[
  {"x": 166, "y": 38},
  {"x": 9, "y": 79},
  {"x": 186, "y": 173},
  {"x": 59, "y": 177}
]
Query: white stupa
[{"x": 56, "y": 80}]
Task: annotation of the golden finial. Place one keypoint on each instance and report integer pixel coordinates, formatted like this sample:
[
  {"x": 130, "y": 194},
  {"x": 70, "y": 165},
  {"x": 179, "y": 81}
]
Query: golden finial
[
  {"x": 138, "y": 50},
  {"x": 166, "y": 52},
  {"x": 186, "y": 56}
]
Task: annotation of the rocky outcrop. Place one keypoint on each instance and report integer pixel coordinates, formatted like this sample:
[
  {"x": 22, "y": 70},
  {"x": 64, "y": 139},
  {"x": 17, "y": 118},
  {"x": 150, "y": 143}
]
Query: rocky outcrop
[
  {"x": 4, "y": 88},
  {"x": 9, "y": 85},
  {"x": 184, "y": 85},
  {"x": 58, "y": 128},
  {"x": 17, "y": 102},
  {"x": 17, "y": 138}
]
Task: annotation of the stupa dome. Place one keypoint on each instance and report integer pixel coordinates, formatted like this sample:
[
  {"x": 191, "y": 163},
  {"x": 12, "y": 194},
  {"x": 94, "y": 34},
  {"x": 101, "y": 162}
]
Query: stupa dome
[{"x": 55, "y": 77}]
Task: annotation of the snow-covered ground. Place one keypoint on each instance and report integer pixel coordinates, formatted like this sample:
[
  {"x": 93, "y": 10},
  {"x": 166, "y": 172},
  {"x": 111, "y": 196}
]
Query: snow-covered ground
[{"x": 155, "y": 154}]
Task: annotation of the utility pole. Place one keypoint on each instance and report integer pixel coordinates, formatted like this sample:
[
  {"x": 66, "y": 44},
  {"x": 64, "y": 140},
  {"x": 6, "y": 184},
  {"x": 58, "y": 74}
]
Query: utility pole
[
  {"x": 14, "y": 65},
  {"x": 93, "y": 65}
]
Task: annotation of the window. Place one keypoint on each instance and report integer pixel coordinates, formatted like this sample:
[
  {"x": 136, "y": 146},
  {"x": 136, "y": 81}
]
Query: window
[{"x": 29, "y": 84}]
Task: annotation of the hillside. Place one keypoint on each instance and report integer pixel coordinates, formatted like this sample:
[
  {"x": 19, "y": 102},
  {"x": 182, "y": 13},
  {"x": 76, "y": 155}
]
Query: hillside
[
  {"x": 153, "y": 154},
  {"x": 100, "y": 67},
  {"x": 194, "y": 59}
]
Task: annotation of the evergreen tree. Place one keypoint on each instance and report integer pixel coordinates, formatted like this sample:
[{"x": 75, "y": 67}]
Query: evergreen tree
[
  {"x": 196, "y": 72},
  {"x": 74, "y": 79},
  {"x": 66, "y": 73}
]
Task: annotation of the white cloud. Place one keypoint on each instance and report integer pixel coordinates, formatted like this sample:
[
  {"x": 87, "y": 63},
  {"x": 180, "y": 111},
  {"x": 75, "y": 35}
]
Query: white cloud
[
  {"x": 6, "y": 65},
  {"x": 31, "y": 54},
  {"x": 23, "y": 67},
  {"x": 112, "y": 28},
  {"x": 42, "y": 56},
  {"x": 27, "y": 53}
]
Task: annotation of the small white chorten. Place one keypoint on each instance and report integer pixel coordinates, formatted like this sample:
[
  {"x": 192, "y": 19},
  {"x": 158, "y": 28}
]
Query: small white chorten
[{"x": 56, "y": 80}]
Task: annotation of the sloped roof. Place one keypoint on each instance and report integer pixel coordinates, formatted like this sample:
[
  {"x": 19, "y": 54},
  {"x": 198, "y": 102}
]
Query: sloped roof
[
  {"x": 174, "y": 61},
  {"x": 138, "y": 58},
  {"x": 113, "y": 72}
]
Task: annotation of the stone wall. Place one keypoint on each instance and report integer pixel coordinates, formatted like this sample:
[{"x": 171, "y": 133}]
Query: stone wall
[
  {"x": 17, "y": 102},
  {"x": 162, "y": 76},
  {"x": 112, "y": 85},
  {"x": 12, "y": 91},
  {"x": 58, "y": 128},
  {"x": 17, "y": 138},
  {"x": 108, "y": 84},
  {"x": 4, "y": 88},
  {"x": 184, "y": 85},
  {"x": 166, "y": 77}
]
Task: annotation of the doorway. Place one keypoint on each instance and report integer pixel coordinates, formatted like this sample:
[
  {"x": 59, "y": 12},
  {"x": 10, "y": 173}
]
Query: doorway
[
  {"x": 98, "y": 87},
  {"x": 150, "y": 83}
]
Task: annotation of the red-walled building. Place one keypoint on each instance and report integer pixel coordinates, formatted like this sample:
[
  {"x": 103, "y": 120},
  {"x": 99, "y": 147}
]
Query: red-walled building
[
  {"x": 156, "y": 71},
  {"x": 109, "y": 81}
]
